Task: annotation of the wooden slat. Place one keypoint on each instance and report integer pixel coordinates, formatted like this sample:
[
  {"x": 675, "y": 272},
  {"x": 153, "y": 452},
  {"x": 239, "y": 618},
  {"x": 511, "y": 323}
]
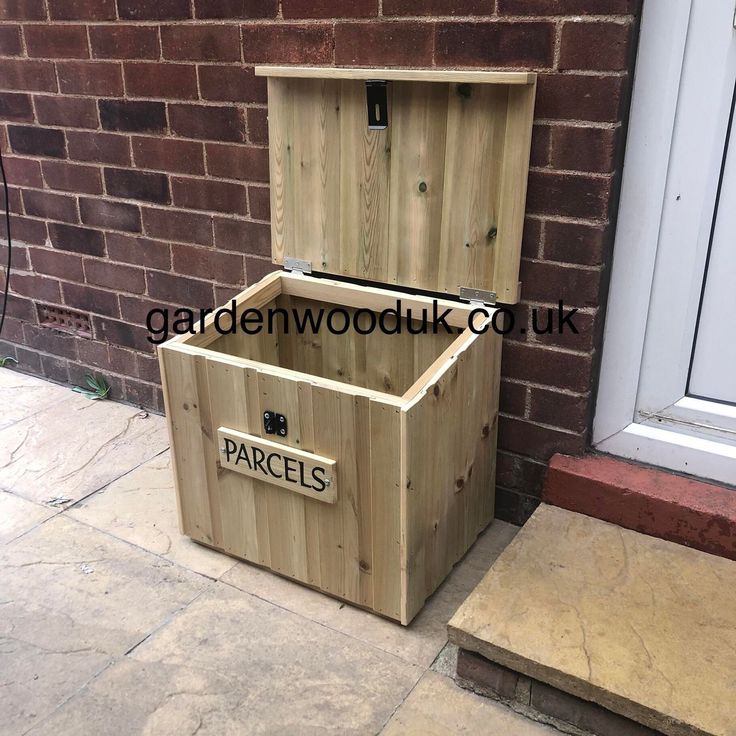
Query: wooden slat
[
  {"x": 385, "y": 434},
  {"x": 409, "y": 75},
  {"x": 365, "y": 158},
  {"x": 419, "y": 126},
  {"x": 476, "y": 125},
  {"x": 236, "y": 494},
  {"x": 182, "y": 409},
  {"x": 286, "y": 519}
]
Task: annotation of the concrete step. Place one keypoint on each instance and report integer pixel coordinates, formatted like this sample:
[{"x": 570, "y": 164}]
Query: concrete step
[{"x": 625, "y": 623}]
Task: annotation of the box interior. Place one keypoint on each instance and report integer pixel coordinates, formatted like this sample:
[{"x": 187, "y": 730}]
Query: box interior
[{"x": 389, "y": 363}]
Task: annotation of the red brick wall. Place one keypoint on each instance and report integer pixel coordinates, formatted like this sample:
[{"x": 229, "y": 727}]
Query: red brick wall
[{"x": 135, "y": 140}]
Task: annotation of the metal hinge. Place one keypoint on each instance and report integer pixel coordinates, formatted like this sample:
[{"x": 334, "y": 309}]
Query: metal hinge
[
  {"x": 296, "y": 265},
  {"x": 479, "y": 297}
]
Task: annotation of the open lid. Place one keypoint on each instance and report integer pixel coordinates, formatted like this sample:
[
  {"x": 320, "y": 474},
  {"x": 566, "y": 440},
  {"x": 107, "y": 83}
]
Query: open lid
[{"x": 401, "y": 176}]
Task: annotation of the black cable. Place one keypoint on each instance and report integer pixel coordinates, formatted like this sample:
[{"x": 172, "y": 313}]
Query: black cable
[{"x": 10, "y": 244}]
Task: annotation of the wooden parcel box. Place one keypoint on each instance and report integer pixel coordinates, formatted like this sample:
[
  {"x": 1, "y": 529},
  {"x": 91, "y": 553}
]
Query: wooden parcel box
[{"x": 363, "y": 463}]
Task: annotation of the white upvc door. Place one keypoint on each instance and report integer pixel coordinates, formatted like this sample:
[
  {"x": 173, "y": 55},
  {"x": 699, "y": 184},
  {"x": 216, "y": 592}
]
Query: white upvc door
[{"x": 667, "y": 393}]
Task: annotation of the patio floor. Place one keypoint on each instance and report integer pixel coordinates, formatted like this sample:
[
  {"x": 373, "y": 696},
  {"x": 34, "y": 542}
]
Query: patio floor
[{"x": 111, "y": 622}]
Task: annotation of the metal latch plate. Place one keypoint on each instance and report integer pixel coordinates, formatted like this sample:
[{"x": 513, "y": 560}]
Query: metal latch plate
[{"x": 297, "y": 265}]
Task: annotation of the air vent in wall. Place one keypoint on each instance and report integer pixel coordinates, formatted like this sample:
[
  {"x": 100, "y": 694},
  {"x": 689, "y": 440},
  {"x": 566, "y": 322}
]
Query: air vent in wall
[{"x": 66, "y": 320}]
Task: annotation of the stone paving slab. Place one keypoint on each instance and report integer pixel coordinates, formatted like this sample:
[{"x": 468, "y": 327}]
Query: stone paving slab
[
  {"x": 233, "y": 664},
  {"x": 71, "y": 600},
  {"x": 140, "y": 507},
  {"x": 18, "y": 516},
  {"x": 23, "y": 396},
  {"x": 437, "y": 707},
  {"x": 418, "y": 643},
  {"x": 644, "y": 627},
  {"x": 75, "y": 447}
]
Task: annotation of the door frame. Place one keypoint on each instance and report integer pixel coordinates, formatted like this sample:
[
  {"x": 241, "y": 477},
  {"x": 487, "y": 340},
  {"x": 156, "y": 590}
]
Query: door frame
[{"x": 642, "y": 410}]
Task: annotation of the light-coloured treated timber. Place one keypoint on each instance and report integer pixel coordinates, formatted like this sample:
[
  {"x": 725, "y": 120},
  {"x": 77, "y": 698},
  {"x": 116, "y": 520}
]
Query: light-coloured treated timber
[
  {"x": 435, "y": 201},
  {"x": 406, "y": 75},
  {"x": 302, "y": 472}
]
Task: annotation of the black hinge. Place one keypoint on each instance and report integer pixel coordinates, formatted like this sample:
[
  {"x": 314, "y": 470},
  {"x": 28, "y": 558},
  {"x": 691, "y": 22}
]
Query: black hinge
[{"x": 274, "y": 423}]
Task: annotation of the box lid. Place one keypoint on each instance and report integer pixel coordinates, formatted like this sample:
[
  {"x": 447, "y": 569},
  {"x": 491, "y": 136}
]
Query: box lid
[{"x": 435, "y": 200}]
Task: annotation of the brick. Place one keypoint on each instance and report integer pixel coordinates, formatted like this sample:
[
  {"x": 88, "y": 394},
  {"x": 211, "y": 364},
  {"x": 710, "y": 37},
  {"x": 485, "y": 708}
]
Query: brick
[
  {"x": 82, "y": 9},
  {"x": 37, "y": 287},
  {"x": 514, "y": 507},
  {"x": 179, "y": 289},
  {"x": 166, "y": 154},
  {"x": 138, "y": 251},
  {"x": 541, "y": 135},
  {"x": 166, "y": 81},
  {"x": 520, "y": 473},
  {"x": 583, "y": 149},
  {"x": 257, "y": 268},
  {"x": 258, "y": 125},
  {"x": 106, "y": 356},
  {"x": 113, "y": 215},
  {"x": 49, "y": 340},
  {"x": 513, "y": 398},
  {"x": 515, "y": 44},
  {"x": 115, "y": 276},
  {"x": 201, "y": 42},
  {"x": 380, "y": 44},
  {"x": 437, "y": 7},
  {"x": 596, "y": 46},
  {"x": 89, "y": 299},
  {"x": 149, "y": 370},
  {"x": 329, "y": 9},
  {"x": 580, "y": 97},
  {"x": 16, "y": 107},
  {"x": 28, "y": 74},
  {"x": 103, "y": 148},
  {"x": 183, "y": 227},
  {"x": 90, "y": 78},
  {"x": 135, "y": 309},
  {"x": 215, "y": 9},
  {"x": 70, "y": 112},
  {"x": 489, "y": 677},
  {"x": 124, "y": 42},
  {"x": 136, "y": 117},
  {"x": 287, "y": 44},
  {"x": 122, "y": 333},
  {"x": 242, "y": 236},
  {"x": 550, "y": 282},
  {"x": 568, "y": 195},
  {"x": 22, "y": 10},
  {"x": 56, "y": 41},
  {"x": 23, "y": 172},
  {"x": 138, "y": 393},
  {"x": 535, "y": 441},
  {"x": 10, "y": 43},
  {"x": 50, "y": 206},
  {"x": 572, "y": 242},
  {"x": 26, "y": 230},
  {"x": 14, "y": 201},
  {"x": 208, "y": 123},
  {"x": 259, "y": 201},
  {"x": 567, "y": 411},
  {"x": 154, "y": 9},
  {"x": 237, "y": 162},
  {"x": 77, "y": 239},
  {"x": 231, "y": 83},
  {"x": 20, "y": 259},
  {"x": 531, "y": 238},
  {"x": 583, "y": 714},
  {"x": 143, "y": 185},
  {"x": 204, "y": 264},
  {"x": 72, "y": 177},
  {"x": 537, "y": 364},
  {"x": 37, "y": 141},
  {"x": 53, "y": 263},
  {"x": 202, "y": 194},
  {"x": 568, "y": 7},
  {"x": 56, "y": 369}
]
